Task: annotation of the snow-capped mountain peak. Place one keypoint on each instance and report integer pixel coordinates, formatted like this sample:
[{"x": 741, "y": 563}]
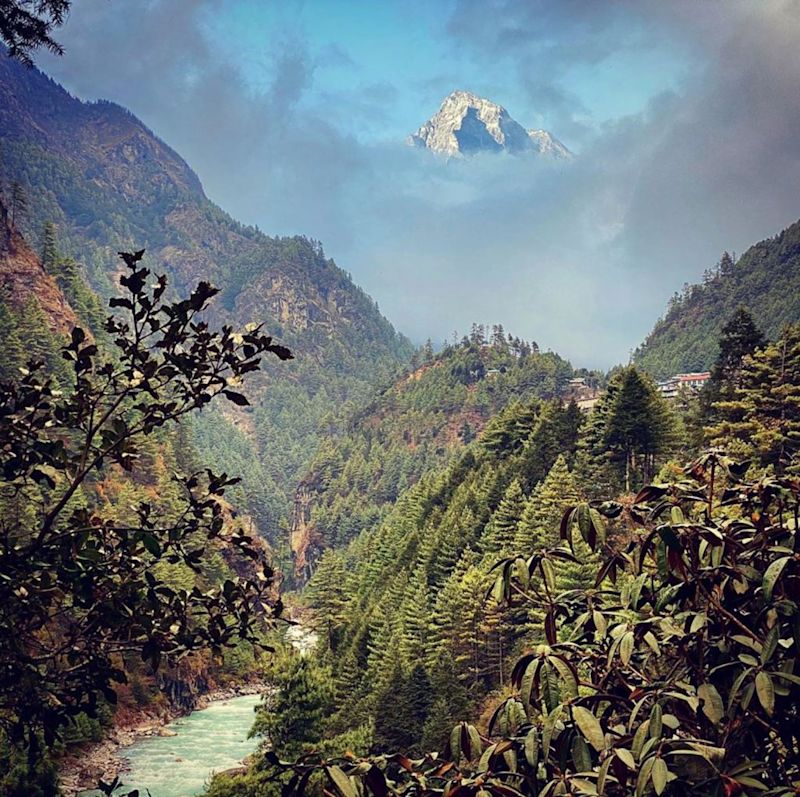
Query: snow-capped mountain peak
[{"x": 466, "y": 124}]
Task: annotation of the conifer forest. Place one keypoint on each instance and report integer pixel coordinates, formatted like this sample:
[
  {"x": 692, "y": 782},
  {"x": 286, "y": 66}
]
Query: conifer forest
[{"x": 265, "y": 532}]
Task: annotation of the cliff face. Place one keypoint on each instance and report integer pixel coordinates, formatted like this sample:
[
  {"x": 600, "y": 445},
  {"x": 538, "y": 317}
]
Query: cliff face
[
  {"x": 22, "y": 278},
  {"x": 304, "y": 539}
]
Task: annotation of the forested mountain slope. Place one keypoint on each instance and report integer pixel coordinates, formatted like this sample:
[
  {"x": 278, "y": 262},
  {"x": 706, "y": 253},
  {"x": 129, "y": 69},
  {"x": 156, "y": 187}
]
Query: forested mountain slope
[
  {"x": 402, "y": 606},
  {"x": 419, "y": 422},
  {"x": 108, "y": 183},
  {"x": 41, "y": 305},
  {"x": 765, "y": 279}
]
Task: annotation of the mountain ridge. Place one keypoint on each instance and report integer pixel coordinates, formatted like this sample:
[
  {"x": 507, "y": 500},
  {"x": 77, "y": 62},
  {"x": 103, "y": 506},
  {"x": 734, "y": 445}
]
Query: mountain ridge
[
  {"x": 466, "y": 124},
  {"x": 108, "y": 184},
  {"x": 765, "y": 280}
]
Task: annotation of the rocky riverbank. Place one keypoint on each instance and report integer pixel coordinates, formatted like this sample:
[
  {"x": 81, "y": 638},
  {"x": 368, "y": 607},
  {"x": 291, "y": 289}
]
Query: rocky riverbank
[{"x": 83, "y": 768}]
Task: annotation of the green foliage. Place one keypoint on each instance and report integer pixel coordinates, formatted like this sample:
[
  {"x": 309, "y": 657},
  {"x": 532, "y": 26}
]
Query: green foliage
[
  {"x": 762, "y": 417},
  {"x": 739, "y": 338},
  {"x": 407, "y": 594},
  {"x": 26, "y": 26},
  {"x": 19, "y": 203},
  {"x": 81, "y": 581},
  {"x": 27, "y": 336},
  {"x": 13, "y": 352},
  {"x": 23, "y": 776},
  {"x": 419, "y": 423},
  {"x": 402, "y": 728},
  {"x": 631, "y": 427},
  {"x": 292, "y": 716},
  {"x": 68, "y": 277},
  {"x": 639, "y": 425},
  {"x": 674, "y": 673},
  {"x": 343, "y": 345},
  {"x": 765, "y": 280},
  {"x": 501, "y": 529}
]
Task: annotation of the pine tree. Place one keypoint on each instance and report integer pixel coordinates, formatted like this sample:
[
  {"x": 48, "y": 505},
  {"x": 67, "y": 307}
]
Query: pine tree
[
  {"x": 499, "y": 533},
  {"x": 410, "y": 698},
  {"x": 40, "y": 343},
  {"x": 467, "y": 433},
  {"x": 12, "y": 352},
  {"x": 451, "y": 702},
  {"x": 539, "y": 523},
  {"x": 639, "y": 426},
  {"x": 456, "y": 534},
  {"x": 414, "y": 613},
  {"x": 456, "y": 618},
  {"x": 49, "y": 248},
  {"x": 19, "y": 203},
  {"x": 763, "y": 417},
  {"x": 739, "y": 338},
  {"x": 726, "y": 265},
  {"x": 555, "y": 432},
  {"x": 294, "y": 715},
  {"x": 67, "y": 274},
  {"x": 326, "y": 590},
  {"x": 593, "y": 466}
]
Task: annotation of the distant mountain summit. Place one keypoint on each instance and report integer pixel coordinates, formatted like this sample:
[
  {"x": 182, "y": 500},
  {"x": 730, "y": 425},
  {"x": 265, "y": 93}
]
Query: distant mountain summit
[{"x": 466, "y": 124}]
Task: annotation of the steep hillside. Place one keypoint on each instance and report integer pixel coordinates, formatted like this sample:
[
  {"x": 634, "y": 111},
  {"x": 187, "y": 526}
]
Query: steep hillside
[
  {"x": 765, "y": 279},
  {"x": 418, "y": 423},
  {"x": 403, "y": 607},
  {"x": 107, "y": 183},
  {"x": 36, "y": 318},
  {"x": 23, "y": 280}
]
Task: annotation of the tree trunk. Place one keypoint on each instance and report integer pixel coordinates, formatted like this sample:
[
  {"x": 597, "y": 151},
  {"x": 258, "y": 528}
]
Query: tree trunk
[{"x": 627, "y": 471}]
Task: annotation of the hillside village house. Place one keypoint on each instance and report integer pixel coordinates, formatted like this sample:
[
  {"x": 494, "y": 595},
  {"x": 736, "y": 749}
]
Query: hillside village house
[{"x": 669, "y": 388}]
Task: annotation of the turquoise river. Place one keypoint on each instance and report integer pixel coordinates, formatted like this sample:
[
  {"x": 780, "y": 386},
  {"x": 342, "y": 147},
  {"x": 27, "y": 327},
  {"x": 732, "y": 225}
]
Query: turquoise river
[
  {"x": 210, "y": 740},
  {"x": 206, "y": 741}
]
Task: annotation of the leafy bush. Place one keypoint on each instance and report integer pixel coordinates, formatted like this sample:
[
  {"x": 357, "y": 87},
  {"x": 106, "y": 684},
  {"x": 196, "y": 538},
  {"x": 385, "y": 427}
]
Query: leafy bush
[{"x": 79, "y": 585}]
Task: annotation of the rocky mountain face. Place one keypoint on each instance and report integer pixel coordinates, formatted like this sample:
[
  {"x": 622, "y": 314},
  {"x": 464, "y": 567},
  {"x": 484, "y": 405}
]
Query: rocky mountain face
[
  {"x": 108, "y": 183},
  {"x": 467, "y": 124},
  {"x": 23, "y": 278}
]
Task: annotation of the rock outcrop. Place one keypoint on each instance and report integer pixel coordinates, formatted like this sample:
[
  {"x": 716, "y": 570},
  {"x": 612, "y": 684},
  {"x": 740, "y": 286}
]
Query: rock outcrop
[{"x": 22, "y": 278}]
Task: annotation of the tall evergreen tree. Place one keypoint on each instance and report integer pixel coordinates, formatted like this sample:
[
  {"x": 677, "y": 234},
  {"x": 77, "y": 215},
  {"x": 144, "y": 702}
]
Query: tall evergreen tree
[
  {"x": 19, "y": 203},
  {"x": 739, "y": 338},
  {"x": 555, "y": 432},
  {"x": 414, "y": 619},
  {"x": 12, "y": 351},
  {"x": 327, "y": 591},
  {"x": 49, "y": 247},
  {"x": 411, "y": 698},
  {"x": 538, "y": 524},
  {"x": 293, "y": 715},
  {"x": 499, "y": 533},
  {"x": 763, "y": 417},
  {"x": 639, "y": 425}
]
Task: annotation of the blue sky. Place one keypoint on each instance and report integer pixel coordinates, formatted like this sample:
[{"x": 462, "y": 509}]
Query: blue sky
[
  {"x": 406, "y": 53},
  {"x": 683, "y": 114}
]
